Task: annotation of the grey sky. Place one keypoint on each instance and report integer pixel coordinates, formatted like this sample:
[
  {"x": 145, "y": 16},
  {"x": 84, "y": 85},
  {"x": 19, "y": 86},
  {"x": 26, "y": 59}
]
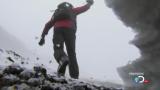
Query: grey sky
[{"x": 102, "y": 40}]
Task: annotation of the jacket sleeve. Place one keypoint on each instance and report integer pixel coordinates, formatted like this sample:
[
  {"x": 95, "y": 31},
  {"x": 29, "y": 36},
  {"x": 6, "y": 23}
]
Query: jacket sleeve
[
  {"x": 47, "y": 27},
  {"x": 81, "y": 9}
]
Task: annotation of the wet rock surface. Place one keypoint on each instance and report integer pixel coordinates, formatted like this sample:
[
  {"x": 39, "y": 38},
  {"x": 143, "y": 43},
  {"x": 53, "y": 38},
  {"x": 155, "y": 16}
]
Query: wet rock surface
[{"x": 14, "y": 77}]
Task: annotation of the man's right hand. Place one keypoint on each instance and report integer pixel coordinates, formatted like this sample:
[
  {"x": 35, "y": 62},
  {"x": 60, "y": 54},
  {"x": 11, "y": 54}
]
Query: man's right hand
[
  {"x": 42, "y": 41},
  {"x": 90, "y": 2}
]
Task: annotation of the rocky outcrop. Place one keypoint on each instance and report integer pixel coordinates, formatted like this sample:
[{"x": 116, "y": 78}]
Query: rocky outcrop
[
  {"x": 143, "y": 16},
  {"x": 14, "y": 77}
]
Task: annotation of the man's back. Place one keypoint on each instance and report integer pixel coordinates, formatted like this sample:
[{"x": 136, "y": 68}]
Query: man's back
[{"x": 70, "y": 22}]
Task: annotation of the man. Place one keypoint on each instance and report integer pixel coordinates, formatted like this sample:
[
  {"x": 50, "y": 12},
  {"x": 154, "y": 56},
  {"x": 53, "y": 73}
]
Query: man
[{"x": 64, "y": 22}]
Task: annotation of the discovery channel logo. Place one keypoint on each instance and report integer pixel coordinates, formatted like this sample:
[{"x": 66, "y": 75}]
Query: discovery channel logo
[{"x": 139, "y": 78}]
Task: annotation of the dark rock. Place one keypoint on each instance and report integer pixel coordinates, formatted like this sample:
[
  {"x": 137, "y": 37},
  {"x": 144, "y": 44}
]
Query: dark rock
[
  {"x": 47, "y": 87},
  {"x": 22, "y": 62},
  {"x": 55, "y": 79},
  {"x": 104, "y": 88},
  {"x": 13, "y": 53},
  {"x": 1, "y": 50},
  {"x": 10, "y": 80},
  {"x": 1, "y": 74},
  {"x": 50, "y": 61},
  {"x": 26, "y": 74},
  {"x": 34, "y": 82},
  {"x": 37, "y": 58},
  {"x": 13, "y": 69},
  {"x": 83, "y": 86},
  {"x": 22, "y": 86},
  {"x": 17, "y": 55},
  {"x": 58, "y": 88},
  {"x": 10, "y": 59},
  {"x": 40, "y": 70},
  {"x": 4, "y": 88},
  {"x": 80, "y": 88}
]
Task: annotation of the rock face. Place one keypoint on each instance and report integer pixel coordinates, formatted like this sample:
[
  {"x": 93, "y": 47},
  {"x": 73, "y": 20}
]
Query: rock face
[
  {"x": 143, "y": 16},
  {"x": 14, "y": 77}
]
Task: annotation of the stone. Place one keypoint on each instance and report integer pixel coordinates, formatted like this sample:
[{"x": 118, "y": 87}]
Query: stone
[
  {"x": 13, "y": 69},
  {"x": 34, "y": 82},
  {"x": 26, "y": 74},
  {"x": 10, "y": 79}
]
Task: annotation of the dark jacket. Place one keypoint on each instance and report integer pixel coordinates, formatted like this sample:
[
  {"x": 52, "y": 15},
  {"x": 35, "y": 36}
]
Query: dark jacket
[{"x": 65, "y": 23}]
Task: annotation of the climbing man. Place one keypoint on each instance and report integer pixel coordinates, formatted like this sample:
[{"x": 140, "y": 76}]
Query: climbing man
[{"x": 64, "y": 22}]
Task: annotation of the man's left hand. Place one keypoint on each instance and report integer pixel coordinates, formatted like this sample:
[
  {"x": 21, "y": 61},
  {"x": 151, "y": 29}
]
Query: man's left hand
[{"x": 41, "y": 42}]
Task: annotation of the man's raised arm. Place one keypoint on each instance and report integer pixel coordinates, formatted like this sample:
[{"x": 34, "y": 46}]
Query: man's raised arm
[{"x": 84, "y": 8}]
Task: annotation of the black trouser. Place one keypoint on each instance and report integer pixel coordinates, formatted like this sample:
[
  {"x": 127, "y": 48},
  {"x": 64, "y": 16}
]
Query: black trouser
[{"x": 67, "y": 36}]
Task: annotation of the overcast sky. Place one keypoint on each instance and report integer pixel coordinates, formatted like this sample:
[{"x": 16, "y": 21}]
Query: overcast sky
[{"x": 102, "y": 40}]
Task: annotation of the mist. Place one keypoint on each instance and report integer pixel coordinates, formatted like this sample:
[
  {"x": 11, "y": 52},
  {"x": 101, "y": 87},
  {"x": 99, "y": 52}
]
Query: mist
[{"x": 102, "y": 39}]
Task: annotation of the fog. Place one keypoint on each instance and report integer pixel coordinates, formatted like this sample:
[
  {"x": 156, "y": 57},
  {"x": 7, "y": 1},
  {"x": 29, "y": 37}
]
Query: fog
[{"x": 102, "y": 40}]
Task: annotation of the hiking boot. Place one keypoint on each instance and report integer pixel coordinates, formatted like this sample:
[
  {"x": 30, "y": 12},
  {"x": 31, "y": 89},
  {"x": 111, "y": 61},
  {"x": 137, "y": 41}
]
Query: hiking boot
[
  {"x": 74, "y": 70},
  {"x": 62, "y": 66}
]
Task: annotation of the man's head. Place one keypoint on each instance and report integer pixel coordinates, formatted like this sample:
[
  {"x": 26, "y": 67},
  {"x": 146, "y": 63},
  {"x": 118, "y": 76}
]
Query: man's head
[{"x": 65, "y": 5}]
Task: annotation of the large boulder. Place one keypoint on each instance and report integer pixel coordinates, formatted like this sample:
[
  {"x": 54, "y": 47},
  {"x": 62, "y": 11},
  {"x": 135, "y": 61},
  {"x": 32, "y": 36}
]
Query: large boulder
[{"x": 143, "y": 16}]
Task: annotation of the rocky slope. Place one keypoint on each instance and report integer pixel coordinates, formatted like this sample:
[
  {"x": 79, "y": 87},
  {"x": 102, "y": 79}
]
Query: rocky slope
[
  {"x": 14, "y": 77},
  {"x": 18, "y": 77},
  {"x": 143, "y": 16}
]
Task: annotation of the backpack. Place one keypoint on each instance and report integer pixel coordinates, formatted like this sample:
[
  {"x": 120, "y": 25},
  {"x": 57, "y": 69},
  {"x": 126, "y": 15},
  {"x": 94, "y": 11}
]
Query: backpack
[{"x": 61, "y": 14}]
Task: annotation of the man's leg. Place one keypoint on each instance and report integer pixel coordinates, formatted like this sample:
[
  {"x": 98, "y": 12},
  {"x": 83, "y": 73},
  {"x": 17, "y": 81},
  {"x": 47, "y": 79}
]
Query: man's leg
[
  {"x": 59, "y": 53},
  {"x": 69, "y": 38}
]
